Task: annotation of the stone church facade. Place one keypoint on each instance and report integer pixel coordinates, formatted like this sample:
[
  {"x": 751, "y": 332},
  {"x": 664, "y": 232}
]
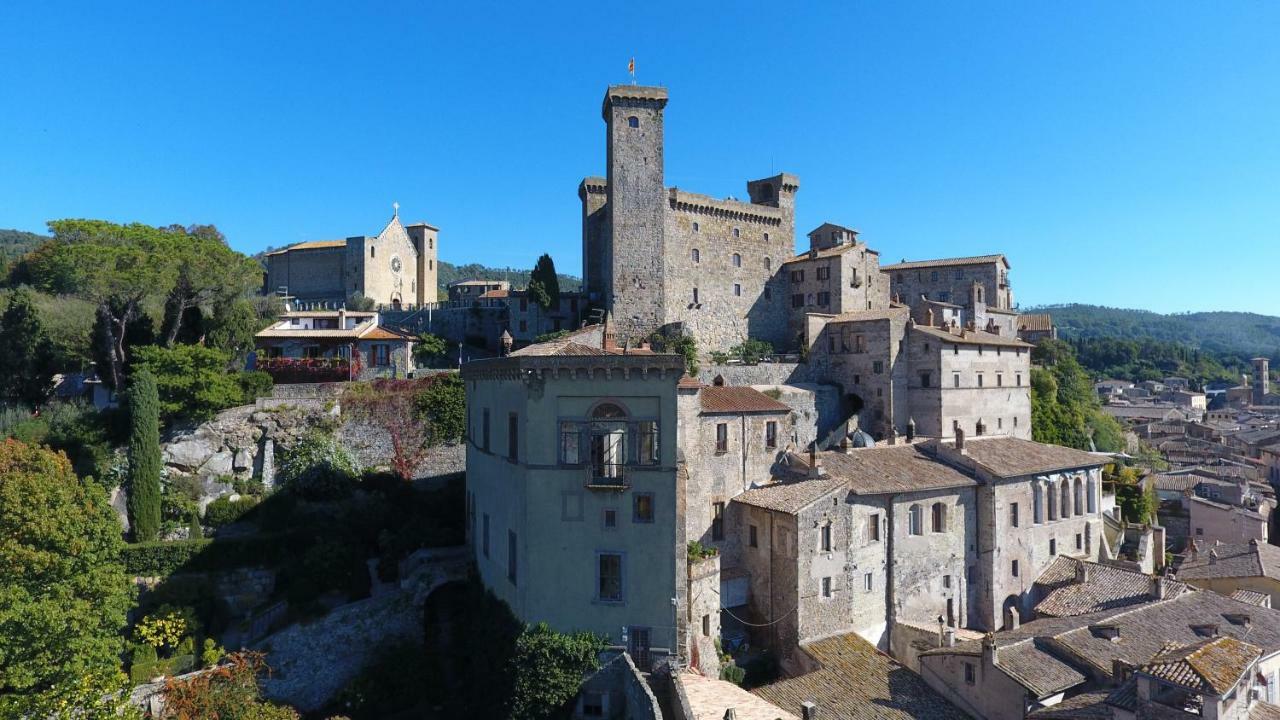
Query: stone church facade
[{"x": 395, "y": 269}]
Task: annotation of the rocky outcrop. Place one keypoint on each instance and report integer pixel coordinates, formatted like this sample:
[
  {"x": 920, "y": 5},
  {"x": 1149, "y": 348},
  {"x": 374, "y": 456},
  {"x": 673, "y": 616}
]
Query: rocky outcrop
[{"x": 234, "y": 445}]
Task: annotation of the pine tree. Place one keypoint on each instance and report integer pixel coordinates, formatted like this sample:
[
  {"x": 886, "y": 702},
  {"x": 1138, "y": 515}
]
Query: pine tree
[
  {"x": 144, "y": 456},
  {"x": 26, "y": 355}
]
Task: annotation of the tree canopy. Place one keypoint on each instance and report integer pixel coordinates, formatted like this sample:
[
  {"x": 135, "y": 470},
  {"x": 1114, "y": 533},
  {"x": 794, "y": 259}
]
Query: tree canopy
[
  {"x": 26, "y": 354},
  {"x": 63, "y": 590},
  {"x": 544, "y": 285},
  {"x": 1064, "y": 407},
  {"x": 124, "y": 269}
]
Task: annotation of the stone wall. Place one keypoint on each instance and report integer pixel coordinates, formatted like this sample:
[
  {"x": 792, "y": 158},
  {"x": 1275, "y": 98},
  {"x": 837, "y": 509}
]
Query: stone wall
[
  {"x": 312, "y": 274},
  {"x": 704, "y": 612},
  {"x": 311, "y": 662},
  {"x": 625, "y": 694},
  {"x": 765, "y": 373}
]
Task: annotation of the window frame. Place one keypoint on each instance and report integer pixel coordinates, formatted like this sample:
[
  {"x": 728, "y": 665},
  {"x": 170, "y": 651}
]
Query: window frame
[
  {"x": 598, "y": 596},
  {"x": 638, "y": 499}
]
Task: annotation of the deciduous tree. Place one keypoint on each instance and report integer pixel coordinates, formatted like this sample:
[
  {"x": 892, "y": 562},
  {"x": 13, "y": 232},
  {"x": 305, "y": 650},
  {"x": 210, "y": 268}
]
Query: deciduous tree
[{"x": 64, "y": 594}]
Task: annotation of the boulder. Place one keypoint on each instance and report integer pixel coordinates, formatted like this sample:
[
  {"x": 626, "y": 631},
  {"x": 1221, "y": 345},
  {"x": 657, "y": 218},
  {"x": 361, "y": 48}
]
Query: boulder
[
  {"x": 243, "y": 460},
  {"x": 191, "y": 451},
  {"x": 220, "y": 463}
]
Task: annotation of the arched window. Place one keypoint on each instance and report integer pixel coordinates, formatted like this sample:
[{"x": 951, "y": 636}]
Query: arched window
[
  {"x": 1052, "y": 493},
  {"x": 1079, "y": 499},
  {"x": 939, "y": 517},
  {"x": 737, "y": 260},
  {"x": 737, "y": 232},
  {"x": 633, "y": 121},
  {"x": 1037, "y": 502},
  {"x": 697, "y": 256},
  {"x": 1091, "y": 493},
  {"x": 768, "y": 263},
  {"x": 697, "y": 227},
  {"x": 431, "y": 243},
  {"x": 1066, "y": 499},
  {"x": 608, "y": 443},
  {"x": 915, "y": 518},
  {"x": 766, "y": 237}
]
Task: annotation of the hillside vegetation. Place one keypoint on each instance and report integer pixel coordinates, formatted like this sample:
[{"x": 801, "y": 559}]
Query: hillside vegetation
[{"x": 1234, "y": 333}]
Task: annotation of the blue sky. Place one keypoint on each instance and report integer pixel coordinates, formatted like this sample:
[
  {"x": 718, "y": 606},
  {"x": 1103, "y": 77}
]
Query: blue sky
[{"x": 1125, "y": 154}]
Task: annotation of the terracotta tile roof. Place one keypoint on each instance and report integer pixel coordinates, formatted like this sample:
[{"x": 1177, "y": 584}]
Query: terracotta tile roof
[
  {"x": 790, "y": 496},
  {"x": 311, "y": 245},
  {"x": 829, "y": 252},
  {"x": 709, "y": 699},
  {"x": 1012, "y": 457},
  {"x": 1226, "y": 507},
  {"x": 572, "y": 343},
  {"x": 1251, "y": 597},
  {"x": 971, "y": 337},
  {"x": 894, "y": 469},
  {"x": 495, "y": 294},
  {"x": 1211, "y": 666},
  {"x": 893, "y": 312},
  {"x": 1036, "y": 669},
  {"x": 1176, "y": 482},
  {"x": 739, "y": 399},
  {"x": 287, "y": 333},
  {"x": 1264, "y": 711},
  {"x": 947, "y": 262},
  {"x": 1035, "y": 322},
  {"x": 383, "y": 333},
  {"x": 688, "y": 382},
  {"x": 1232, "y": 560},
  {"x": 1085, "y": 706},
  {"x": 857, "y": 681},
  {"x": 1105, "y": 588}
]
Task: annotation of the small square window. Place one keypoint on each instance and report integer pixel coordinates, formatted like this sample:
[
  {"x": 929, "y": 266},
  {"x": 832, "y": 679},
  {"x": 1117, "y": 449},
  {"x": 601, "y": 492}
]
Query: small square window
[
  {"x": 610, "y": 519},
  {"x": 737, "y": 290},
  {"x": 946, "y": 582},
  {"x": 868, "y": 582},
  {"x": 826, "y": 587},
  {"x": 1014, "y": 568},
  {"x": 642, "y": 511},
  {"x": 970, "y": 676}
]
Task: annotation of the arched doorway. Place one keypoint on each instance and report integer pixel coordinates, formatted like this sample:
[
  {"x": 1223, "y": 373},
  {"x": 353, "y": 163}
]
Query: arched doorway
[{"x": 1011, "y": 613}]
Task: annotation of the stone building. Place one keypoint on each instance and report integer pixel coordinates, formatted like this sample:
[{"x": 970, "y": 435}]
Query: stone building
[
  {"x": 574, "y": 503},
  {"x": 332, "y": 346},
  {"x": 973, "y": 283},
  {"x": 395, "y": 269},
  {"x": 839, "y": 274},
  {"x": 658, "y": 257}
]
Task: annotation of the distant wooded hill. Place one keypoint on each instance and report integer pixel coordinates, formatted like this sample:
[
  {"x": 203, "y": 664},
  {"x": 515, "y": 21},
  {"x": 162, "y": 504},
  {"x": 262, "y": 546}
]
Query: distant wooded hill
[
  {"x": 16, "y": 243},
  {"x": 1235, "y": 333}
]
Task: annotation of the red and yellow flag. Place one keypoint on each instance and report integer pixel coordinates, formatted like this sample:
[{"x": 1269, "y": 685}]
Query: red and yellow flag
[{"x": 631, "y": 66}]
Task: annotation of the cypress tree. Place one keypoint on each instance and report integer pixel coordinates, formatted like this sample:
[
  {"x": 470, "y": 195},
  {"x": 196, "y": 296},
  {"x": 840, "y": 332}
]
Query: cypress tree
[
  {"x": 544, "y": 277},
  {"x": 144, "y": 456}
]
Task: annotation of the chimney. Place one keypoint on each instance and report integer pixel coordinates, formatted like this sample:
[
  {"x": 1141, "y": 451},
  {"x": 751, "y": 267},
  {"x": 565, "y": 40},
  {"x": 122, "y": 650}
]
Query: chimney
[
  {"x": 815, "y": 465},
  {"x": 949, "y": 637},
  {"x": 809, "y": 710},
  {"x": 1213, "y": 557},
  {"x": 342, "y": 317},
  {"x": 989, "y": 651},
  {"x": 928, "y": 316},
  {"x": 1082, "y": 572},
  {"x": 1120, "y": 671},
  {"x": 960, "y": 441},
  {"x": 911, "y": 429},
  {"x": 846, "y": 446},
  {"x": 1157, "y": 587}
]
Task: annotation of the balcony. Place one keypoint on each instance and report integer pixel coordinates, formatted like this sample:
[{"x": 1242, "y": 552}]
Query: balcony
[
  {"x": 607, "y": 476},
  {"x": 286, "y": 371}
]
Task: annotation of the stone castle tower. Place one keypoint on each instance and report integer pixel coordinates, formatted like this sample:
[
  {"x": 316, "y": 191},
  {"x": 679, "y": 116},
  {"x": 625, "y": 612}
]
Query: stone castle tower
[
  {"x": 658, "y": 258},
  {"x": 634, "y": 261}
]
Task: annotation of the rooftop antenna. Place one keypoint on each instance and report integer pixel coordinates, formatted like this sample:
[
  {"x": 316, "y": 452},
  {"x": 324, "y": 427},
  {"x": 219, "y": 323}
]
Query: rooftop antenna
[
  {"x": 395, "y": 206},
  {"x": 631, "y": 68}
]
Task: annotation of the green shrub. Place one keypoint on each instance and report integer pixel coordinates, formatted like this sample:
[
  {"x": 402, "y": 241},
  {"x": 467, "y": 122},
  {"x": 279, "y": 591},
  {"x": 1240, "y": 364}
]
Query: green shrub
[
  {"x": 224, "y": 511},
  {"x": 160, "y": 559},
  {"x": 443, "y": 403},
  {"x": 318, "y": 468},
  {"x": 253, "y": 385},
  {"x": 732, "y": 673}
]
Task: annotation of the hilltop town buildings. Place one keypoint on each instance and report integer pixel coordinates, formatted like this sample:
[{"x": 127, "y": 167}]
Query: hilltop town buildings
[
  {"x": 883, "y": 493},
  {"x": 397, "y": 268}
]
